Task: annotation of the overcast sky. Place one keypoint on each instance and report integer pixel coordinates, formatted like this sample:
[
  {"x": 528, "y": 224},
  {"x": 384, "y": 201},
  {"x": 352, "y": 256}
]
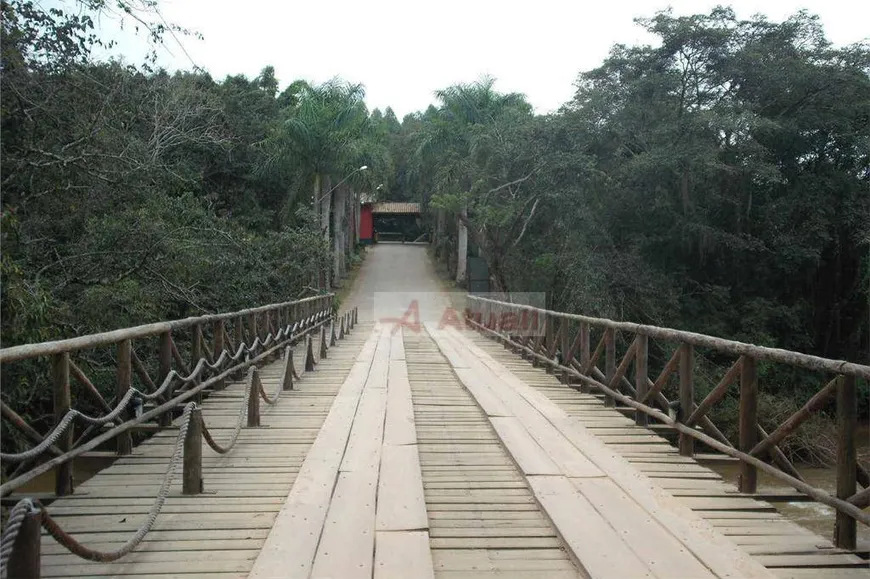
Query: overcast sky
[{"x": 403, "y": 50}]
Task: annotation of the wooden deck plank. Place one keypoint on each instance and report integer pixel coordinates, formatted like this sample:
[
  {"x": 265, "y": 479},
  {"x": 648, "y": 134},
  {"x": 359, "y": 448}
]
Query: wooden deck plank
[
  {"x": 713, "y": 549},
  {"x": 299, "y": 524},
  {"x": 528, "y": 455},
  {"x": 399, "y": 428},
  {"x": 402, "y": 555},
  {"x": 348, "y": 540},
  {"x": 596, "y": 546},
  {"x": 401, "y": 504},
  {"x": 753, "y": 525},
  {"x": 471, "y": 485},
  {"x": 218, "y": 533}
]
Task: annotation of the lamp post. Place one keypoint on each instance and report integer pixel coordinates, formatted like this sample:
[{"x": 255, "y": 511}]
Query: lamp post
[
  {"x": 351, "y": 174},
  {"x": 339, "y": 233}
]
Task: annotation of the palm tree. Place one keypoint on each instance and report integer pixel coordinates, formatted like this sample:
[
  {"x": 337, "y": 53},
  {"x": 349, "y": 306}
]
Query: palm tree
[
  {"x": 320, "y": 137},
  {"x": 456, "y": 137}
]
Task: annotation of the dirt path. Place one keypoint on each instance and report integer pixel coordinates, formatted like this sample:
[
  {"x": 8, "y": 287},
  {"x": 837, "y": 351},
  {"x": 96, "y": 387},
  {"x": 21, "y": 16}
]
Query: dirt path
[{"x": 392, "y": 277}]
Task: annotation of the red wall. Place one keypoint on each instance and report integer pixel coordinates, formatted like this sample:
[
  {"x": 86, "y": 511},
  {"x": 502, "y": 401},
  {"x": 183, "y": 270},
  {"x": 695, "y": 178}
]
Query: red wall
[{"x": 365, "y": 223}]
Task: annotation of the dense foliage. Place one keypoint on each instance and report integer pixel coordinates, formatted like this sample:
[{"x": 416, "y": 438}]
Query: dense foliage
[
  {"x": 717, "y": 182},
  {"x": 131, "y": 195}
]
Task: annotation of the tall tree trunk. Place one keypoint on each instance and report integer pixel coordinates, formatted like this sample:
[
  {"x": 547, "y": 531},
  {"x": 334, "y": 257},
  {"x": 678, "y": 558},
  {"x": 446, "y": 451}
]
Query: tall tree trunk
[
  {"x": 318, "y": 191},
  {"x": 350, "y": 229},
  {"x": 357, "y": 215},
  {"x": 338, "y": 234},
  {"x": 325, "y": 206},
  {"x": 462, "y": 250},
  {"x": 439, "y": 238}
]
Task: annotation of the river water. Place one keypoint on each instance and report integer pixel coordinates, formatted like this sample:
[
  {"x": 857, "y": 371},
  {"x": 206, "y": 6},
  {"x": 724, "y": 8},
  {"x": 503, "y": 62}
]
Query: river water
[{"x": 814, "y": 516}]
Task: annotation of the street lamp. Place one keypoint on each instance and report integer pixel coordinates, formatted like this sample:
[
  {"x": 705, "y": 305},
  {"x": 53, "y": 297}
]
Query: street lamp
[{"x": 363, "y": 168}]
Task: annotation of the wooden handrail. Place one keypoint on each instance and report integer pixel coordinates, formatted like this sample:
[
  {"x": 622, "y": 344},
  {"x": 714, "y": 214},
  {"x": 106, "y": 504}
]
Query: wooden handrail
[
  {"x": 164, "y": 408},
  {"x": 754, "y": 442},
  {"x": 25, "y": 351},
  {"x": 765, "y": 353}
]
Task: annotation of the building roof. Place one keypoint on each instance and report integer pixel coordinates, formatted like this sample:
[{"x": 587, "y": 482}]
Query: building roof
[{"x": 387, "y": 207}]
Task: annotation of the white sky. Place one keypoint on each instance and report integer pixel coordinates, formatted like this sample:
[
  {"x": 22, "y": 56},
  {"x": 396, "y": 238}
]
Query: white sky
[{"x": 403, "y": 50}]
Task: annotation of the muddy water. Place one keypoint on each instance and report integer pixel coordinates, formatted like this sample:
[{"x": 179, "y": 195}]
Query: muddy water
[
  {"x": 817, "y": 517},
  {"x": 83, "y": 469}
]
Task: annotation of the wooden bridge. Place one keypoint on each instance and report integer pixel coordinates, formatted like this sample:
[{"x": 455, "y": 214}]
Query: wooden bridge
[{"x": 510, "y": 442}]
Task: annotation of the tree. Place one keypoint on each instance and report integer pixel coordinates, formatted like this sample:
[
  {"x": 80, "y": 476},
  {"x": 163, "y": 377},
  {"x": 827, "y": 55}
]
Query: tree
[
  {"x": 130, "y": 196},
  {"x": 326, "y": 137},
  {"x": 468, "y": 140}
]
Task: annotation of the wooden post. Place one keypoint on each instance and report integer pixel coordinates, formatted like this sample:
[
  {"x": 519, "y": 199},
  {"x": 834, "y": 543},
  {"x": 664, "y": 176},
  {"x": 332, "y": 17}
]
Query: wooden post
[
  {"x": 550, "y": 340},
  {"x": 332, "y": 337},
  {"x": 609, "y": 362},
  {"x": 687, "y": 395},
  {"x": 24, "y": 561},
  {"x": 196, "y": 346},
  {"x": 62, "y": 404},
  {"x": 268, "y": 319},
  {"x": 124, "y": 442},
  {"x": 323, "y": 348},
  {"x": 641, "y": 375},
  {"x": 505, "y": 326},
  {"x": 845, "y": 529},
  {"x": 585, "y": 353},
  {"x": 540, "y": 338},
  {"x": 564, "y": 346},
  {"x": 218, "y": 330},
  {"x": 748, "y": 415},
  {"x": 196, "y": 354},
  {"x": 309, "y": 354},
  {"x": 192, "y": 462},
  {"x": 254, "y": 398},
  {"x": 252, "y": 327},
  {"x": 287, "y": 380},
  {"x": 239, "y": 331},
  {"x": 165, "y": 365},
  {"x": 341, "y": 328}
]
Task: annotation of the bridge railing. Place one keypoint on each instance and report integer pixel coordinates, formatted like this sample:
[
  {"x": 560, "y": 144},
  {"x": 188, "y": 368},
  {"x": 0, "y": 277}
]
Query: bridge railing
[
  {"x": 184, "y": 353},
  {"x": 241, "y": 341},
  {"x": 587, "y": 350}
]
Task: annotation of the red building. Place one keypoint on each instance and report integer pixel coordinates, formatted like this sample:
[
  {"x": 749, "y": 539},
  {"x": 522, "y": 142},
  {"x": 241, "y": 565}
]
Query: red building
[
  {"x": 393, "y": 221},
  {"x": 365, "y": 223}
]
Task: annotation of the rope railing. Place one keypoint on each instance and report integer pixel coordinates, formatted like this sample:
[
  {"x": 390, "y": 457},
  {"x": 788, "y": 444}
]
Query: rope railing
[
  {"x": 243, "y": 410},
  {"x": 543, "y": 336},
  {"x": 17, "y": 551},
  {"x": 282, "y": 322},
  {"x": 124, "y": 403}
]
